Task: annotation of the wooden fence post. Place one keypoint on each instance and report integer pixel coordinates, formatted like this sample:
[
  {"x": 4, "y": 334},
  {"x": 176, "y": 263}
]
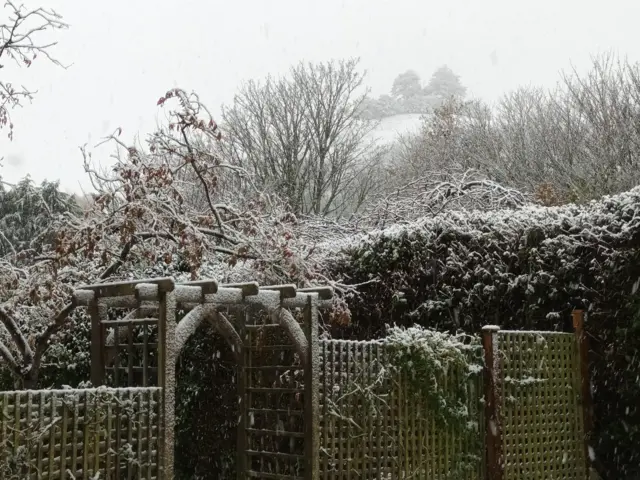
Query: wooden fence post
[
  {"x": 493, "y": 400},
  {"x": 97, "y": 342},
  {"x": 582, "y": 343},
  {"x": 312, "y": 389}
]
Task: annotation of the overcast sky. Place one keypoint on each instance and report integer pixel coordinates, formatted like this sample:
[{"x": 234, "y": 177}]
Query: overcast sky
[{"x": 125, "y": 54}]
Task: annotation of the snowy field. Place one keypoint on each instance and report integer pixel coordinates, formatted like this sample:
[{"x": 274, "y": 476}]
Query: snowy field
[{"x": 389, "y": 128}]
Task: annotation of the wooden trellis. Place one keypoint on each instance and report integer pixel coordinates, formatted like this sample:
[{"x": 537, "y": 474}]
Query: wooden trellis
[
  {"x": 274, "y": 332},
  {"x": 79, "y": 433},
  {"x": 537, "y": 401},
  {"x": 543, "y": 433},
  {"x": 136, "y": 351}
]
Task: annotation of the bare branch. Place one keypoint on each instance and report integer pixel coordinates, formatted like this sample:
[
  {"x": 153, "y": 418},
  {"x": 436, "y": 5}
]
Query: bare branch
[
  {"x": 17, "y": 43},
  {"x": 21, "y": 342}
]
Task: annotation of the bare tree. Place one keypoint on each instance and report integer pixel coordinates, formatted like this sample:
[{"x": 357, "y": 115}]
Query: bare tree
[
  {"x": 576, "y": 142},
  {"x": 301, "y": 137},
  {"x": 22, "y": 40}
]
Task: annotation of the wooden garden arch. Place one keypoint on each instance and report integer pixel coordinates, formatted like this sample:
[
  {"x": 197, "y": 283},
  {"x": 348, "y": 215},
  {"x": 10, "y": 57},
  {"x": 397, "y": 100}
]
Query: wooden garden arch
[{"x": 240, "y": 313}]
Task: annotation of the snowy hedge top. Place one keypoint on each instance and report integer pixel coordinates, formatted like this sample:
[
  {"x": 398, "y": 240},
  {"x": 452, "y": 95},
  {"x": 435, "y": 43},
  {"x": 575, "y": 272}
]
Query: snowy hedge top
[{"x": 611, "y": 219}]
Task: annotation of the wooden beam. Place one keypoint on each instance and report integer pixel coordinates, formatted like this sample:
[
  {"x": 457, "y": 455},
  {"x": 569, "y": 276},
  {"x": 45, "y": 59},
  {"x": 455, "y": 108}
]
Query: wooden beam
[
  {"x": 208, "y": 285},
  {"x": 128, "y": 287},
  {"x": 582, "y": 343},
  {"x": 248, "y": 288},
  {"x": 324, "y": 293},
  {"x": 286, "y": 291}
]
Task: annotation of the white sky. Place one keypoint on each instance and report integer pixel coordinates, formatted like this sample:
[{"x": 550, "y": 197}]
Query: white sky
[{"x": 126, "y": 54}]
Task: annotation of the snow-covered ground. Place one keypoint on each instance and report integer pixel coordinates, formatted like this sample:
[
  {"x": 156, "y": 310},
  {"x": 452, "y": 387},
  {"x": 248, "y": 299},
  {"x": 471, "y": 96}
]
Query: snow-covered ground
[{"x": 389, "y": 128}]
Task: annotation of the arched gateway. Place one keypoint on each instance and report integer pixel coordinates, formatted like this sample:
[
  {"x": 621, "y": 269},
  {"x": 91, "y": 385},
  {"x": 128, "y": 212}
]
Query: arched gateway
[{"x": 272, "y": 330}]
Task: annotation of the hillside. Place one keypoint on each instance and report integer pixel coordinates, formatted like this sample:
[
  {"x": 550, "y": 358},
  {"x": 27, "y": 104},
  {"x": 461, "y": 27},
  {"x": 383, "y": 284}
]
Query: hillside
[{"x": 389, "y": 128}]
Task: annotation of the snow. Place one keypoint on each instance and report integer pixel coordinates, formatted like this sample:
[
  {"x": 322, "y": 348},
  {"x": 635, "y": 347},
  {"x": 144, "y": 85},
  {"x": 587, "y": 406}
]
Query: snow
[
  {"x": 389, "y": 128},
  {"x": 602, "y": 221},
  {"x": 188, "y": 294},
  {"x": 147, "y": 291},
  {"x": 225, "y": 295}
]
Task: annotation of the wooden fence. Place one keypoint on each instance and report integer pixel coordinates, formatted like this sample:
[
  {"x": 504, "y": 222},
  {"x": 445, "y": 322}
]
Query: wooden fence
[
  {"x": 529, "y": 416},
  {"x": 542, "y": 416},
  {"x": 527, "y": 422},
  {"x": 373, "y": 427},
  {"x": 74, "y": 434}
]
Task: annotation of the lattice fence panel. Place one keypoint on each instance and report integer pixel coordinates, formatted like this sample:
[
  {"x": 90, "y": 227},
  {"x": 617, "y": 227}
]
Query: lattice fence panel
[
  {"x": 62, "y": 434},
  {"x": 272, "y": 386},
  {"x": 133, "y": 356},
  {"x": 543, "y": 436},
  {"x": 373, "y": 427}
]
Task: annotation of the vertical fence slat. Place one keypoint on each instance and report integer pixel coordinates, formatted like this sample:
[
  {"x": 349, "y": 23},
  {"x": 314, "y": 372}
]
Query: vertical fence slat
[
  {"x": 311, "y": 405},
  {"x": 145, "y": 355},
  {"x": 446, "y": 431},
  {"x": 381, "y": 453},
  {"x": 86, "y": 440},
  {"x": 354, "y": 454},
  {"x": 139, "y": 435},
  {"x": 130, "y": 425},
  {"x": 150, "y": 442},
  {"x": 116, "y": 356},
  {"x": 119, "y": 446},
  {"x": 241, "y": 380},
  {"x": 370, "y": 445},
  {"x": 97, "y": 342},
  {"x": 4, "y": 440},
  {"x": 74, "y": 436},
  {"x": 109, "y": 438},
  {"x": 52, "y": 436},
  {"x": 4, "y": 450},
  {"x": 16, "y": 420},
  {"x": 166, "y": 369},
  {"x": 64, "y": 437},
  {"x": 29, "y": 430},
  {"x": 41, "y": 402},
  {"x": 130, "y": 378},
  {"x": 324, "y": 365},
  {"x": 98, "y": 429}
]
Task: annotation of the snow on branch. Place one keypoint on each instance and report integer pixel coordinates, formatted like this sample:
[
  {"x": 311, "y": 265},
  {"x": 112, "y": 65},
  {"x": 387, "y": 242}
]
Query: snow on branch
[
  {"x": 157, "y": 210},
  {"x": 22, "y": 40},
  {"x": 436, "y": 192}
]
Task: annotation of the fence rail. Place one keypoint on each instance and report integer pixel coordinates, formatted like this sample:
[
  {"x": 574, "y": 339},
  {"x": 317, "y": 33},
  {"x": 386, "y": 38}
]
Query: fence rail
[{"x": 67, "y": 434}]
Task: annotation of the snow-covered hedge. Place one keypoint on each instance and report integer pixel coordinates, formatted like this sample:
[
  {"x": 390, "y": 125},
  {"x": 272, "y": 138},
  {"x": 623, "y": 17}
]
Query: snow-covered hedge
[{"x": 519, "y": 269}]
